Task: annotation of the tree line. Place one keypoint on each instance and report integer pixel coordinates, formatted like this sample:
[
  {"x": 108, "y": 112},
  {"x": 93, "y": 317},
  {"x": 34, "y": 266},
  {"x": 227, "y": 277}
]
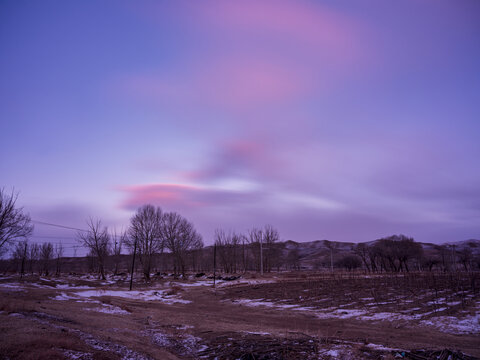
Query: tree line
[{"x": 167, "y": 242}]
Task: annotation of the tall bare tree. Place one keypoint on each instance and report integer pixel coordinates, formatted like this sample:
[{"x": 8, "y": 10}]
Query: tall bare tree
[
  {"x": 46, "y": 253},
  {"x": 228, "y": 249},
  {"x": 255, "y": 238},
  {"x": 144, "y": 235},
  {"x": 118, "y": 241},
  {"x": 14, "y": 224},
  {"x": 361, "y": 250},
  {"x": 262, "y": 243},
  {"x": 394, "y": 252},
  {"x": 179, "y": 236},
  {"x": 270, "y": 251},
  {"x": 97, "y": 240},
  {"x": 20, "y": 255},
  {"x": 223, "y": 243},
  {"x": 33, "y": 256},
  {"x": 58, "y": 255}
]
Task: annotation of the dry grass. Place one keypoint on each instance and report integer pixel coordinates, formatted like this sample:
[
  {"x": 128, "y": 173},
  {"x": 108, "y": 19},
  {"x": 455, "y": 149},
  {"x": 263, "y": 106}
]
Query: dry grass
[{"x": 389, "y": 293}]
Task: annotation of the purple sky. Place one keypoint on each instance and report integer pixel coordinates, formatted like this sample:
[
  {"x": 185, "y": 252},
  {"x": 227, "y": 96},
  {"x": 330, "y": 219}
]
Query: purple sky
[{"x": 331, "y": 120}]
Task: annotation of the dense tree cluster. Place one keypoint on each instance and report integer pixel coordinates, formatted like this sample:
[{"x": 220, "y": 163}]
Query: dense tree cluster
[
  {"x": 389, "y": 254},
  {"x": 152, "y": 231}
]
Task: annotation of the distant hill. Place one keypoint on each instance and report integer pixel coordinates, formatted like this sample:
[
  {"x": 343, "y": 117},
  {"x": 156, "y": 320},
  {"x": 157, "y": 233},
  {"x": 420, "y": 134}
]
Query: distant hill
[
  {"x": 311, "y": 255},
  {"x": 316, "y": 254}
]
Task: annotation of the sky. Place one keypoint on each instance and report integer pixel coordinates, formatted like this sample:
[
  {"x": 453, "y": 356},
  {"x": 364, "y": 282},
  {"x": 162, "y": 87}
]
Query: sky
[{"x": 338, "y": 120}]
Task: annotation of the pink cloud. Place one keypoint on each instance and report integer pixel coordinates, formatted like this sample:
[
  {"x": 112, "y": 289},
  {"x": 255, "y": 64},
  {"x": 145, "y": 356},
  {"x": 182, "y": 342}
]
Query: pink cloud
[
  {"x": 301, "y": 22},
  {"x": 178, "y": 197},
  {"x": 238, "y": 159},
  {"x": 251, "y": 81},
  {"x": 254, "y": 54},
  {"x": 167, "y": 194}
]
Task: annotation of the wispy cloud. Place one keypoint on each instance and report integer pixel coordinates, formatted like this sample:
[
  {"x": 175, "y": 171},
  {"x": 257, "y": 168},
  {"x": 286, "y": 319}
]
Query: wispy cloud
[
  {"x": 258, "y": 54},
  {"x": 229, "y": 83}
]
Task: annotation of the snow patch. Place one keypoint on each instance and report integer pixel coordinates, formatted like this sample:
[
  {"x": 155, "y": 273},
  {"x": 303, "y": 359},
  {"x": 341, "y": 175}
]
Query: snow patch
[
  {"x": 64, "y": 296},
  {"x": 110, "y": 309},
  {"x": 454, "y": 325},
  {"x": 333, "y": 353},
  {"x": 148, "y": 295},
  {"x": 12, "y": 286},
  {"x": 77, "y": 355},
  {"x": 16, "y": 315}
]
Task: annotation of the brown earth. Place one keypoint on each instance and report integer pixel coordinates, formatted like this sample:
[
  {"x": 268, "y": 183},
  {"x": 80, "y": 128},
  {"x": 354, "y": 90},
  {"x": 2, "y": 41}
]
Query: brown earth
[{"x": 215, "y": 325}]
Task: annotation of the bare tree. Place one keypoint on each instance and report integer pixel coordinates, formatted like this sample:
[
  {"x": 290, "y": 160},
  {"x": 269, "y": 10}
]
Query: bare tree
[
  {"x": 20, "y": 254},
  {"x": 33, "y": 256},
  {"x": 196, "y": 256},
  {"x": 97, "y": 240},
  {"x": 144, "y": 234},
  {"x": 117, "y": 248},
  {"x": 226, "y": 243},
  {"x": 361, "y": 250},
  {"x": 14, "y": 224},
  {"x": 179, "y": 236},
  {"x": 394, "y": 252},
  {"x": 58, "y": 255},
  {"x": 46, "y": 253},
  {"x": 465, "y": 256},
  {"x": 255, "y": 238},
  {"x": 430, "y": 261},
  {"x": 407, "y": 249},
  {"x": 270, "y": 251}
]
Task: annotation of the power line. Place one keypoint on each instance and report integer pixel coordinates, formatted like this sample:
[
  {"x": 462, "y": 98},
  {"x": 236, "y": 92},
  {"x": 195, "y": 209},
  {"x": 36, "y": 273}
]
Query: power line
[
  {"x": 52, "y": 237},
  {"x": 70, "y": 245},
  {"x": 57, "y": 225},
  {"x": 68, "y": 227}
]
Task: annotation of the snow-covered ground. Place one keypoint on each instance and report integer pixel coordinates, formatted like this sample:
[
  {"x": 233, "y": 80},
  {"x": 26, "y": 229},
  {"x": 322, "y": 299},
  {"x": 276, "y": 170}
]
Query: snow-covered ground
[
  {"x": 148, "y": 295},
  {"x": 110, "y": 309},
  {"x": 466, "y": 324},
  {"x": 453, "y": 325},
  {"x": 46, "y": 284}
]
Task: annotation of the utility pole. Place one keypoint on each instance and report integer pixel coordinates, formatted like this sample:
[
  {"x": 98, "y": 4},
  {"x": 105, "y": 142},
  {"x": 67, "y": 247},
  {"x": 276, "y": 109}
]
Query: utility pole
[
  {"x": 244, "y": 258},
  {"x": 23, "y": 260},
  {"x": 261, "y": 255},
  {"x": 133, "y": 262}
]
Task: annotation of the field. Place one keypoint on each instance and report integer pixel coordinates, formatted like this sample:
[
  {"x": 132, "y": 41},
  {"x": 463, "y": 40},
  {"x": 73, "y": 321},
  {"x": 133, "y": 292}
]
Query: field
[{"x": 278, "y": 316}]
